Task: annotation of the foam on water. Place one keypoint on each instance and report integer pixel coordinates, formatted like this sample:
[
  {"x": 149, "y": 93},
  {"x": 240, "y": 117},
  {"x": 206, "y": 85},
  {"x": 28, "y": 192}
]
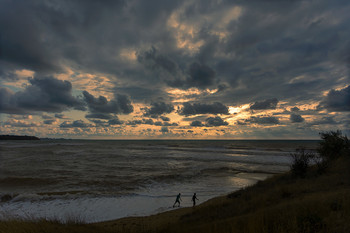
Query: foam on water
[
  {"x": 95, "y": 208},
  {"x": 104, "y": 180}
]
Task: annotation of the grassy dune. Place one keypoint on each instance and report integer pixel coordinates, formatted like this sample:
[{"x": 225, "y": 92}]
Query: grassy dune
[{"x": 282, "y": 203}]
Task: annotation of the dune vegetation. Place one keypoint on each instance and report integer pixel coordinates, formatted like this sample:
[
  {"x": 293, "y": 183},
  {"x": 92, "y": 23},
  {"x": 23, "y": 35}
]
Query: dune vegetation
[{"x": 312, "y": 197}]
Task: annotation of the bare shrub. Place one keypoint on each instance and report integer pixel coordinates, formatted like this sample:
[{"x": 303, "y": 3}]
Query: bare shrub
[{"x": 300, "y": 161}]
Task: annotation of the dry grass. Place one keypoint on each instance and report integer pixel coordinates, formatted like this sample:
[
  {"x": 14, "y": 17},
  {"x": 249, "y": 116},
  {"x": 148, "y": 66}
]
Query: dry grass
[{"x": 281, "y": 204}]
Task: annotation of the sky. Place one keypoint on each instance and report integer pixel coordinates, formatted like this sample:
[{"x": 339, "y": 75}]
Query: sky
[{"x": 156, "y": 69}]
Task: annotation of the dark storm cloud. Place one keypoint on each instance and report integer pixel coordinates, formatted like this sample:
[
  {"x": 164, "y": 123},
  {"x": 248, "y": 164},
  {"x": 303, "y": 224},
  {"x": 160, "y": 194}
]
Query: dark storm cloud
[
  {"x": 46, "y": 117},
  {"x": 115, "y": 121},
  {"x": 158, "y": 108},
  {"x": 158, "y": 123},
  {"x": 139, "y": 122},
  {"x": 197, "y": 124},
  {"x": 37, "y": 35},
  {"x": 222, "y": 87},
  {"x": 266, "y": 104},
  {"x": 105, "y": 116},
  {"x": 121, "y": 104},
  {"x": 268, "y": 120},
  {"x": 329, "y": 120},
  {"x": 59, "y": 115},
  {"x": 44, "y": 94},
  {"x": 296, "y": 118},
  {"x": 210, "y": 121},
  {"x": 164, "y": 129},
  {"x": 291, "y": 50},
  {"x": 165, "y": 118},
  {"x": 283, "y": 55},
  {"x": 199, "y": 108},
  {"x": 198, "y": 75},
  {"x": 75, "y": 124},
  {"x": 156, "y": 61},
  {"x": 295, "y": 109},
  {"x": 201, "y": 75},
  {"x": 170, "y": 124},
  {"x": 103, "y": 123},
  {"x": 99, "y": 123},
  {"x": 215, "y": 121},
  {"x": 337, "y": 100},
  {"x": 49, "y": 122},
  {"x": 22, "y": 43}
]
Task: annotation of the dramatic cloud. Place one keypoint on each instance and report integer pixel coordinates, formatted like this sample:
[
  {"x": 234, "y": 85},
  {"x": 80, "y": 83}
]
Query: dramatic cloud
[
  {"x": 44, "y": 94},
  {"x": 201, "y": 76},
  {"x": 295, "y": 118},
  {"x": 100, "y": 106},
  {"x": 338, "y": 100},
  {"x": 165, "y": 118},
  {"x": 324, "y": 121},
  {"x": 198, "y": 108},
  {"x": 198, "y": 75},
  {"x": 268, "y": 120},
  {"x": 164, "y": 129},
  {"x": 19, "y": 123},
  {"x": 75, "y": 124},
  {"x": 115, "y": 121},
  {"x": 266, "y": 104},
  {"x": 215, "y": 121},
  {"x": 210, "y": 121},
  {"x": 158, "y": 108},
  {"x": 202, "y": 58},
  {"x": 197, "y": 124},
  {"x": 46, "y": 117},
  {"x": 139, "y": 122},
  {"x": 59, "y": 115},
  {"x": 295, "y": 109},
  {"x": 169, "y": 124},
  {"x": 155, "y": 61},
  {"x": 49, "y": 122},
  {"x": 105, "y": 116}
]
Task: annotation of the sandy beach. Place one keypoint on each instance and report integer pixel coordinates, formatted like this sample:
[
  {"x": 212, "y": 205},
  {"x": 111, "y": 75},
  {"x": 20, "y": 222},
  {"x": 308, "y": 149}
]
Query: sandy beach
[
  {"x": 282, "y": 203},
  {"x": 317, "y": 203}
]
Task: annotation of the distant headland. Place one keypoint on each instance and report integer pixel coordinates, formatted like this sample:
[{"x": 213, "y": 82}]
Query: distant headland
[{"x": 18, "y": 137}]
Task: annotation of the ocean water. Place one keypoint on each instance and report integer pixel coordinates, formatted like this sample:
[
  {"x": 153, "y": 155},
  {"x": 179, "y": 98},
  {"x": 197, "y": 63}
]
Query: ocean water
[{"x": 96, "y": 180}]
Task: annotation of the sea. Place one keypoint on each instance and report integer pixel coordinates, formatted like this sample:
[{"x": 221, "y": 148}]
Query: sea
[{"x": 101, "y": 180}]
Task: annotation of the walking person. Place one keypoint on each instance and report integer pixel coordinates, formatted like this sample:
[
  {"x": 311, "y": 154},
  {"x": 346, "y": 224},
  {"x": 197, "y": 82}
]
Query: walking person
[
  {"x": 178, "y": 199},
  {"x": 194, "y": 198}
]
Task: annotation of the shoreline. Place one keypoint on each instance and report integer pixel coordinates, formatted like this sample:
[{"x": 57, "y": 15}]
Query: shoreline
[
  {"x": 280, "y": 196},
  {"x": 280, "y": 203},
  {"x": 97, "y": 209}
]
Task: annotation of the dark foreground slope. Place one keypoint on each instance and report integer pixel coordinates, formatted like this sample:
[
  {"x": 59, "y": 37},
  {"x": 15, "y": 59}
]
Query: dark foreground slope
[{"x": 283, "y": 203}]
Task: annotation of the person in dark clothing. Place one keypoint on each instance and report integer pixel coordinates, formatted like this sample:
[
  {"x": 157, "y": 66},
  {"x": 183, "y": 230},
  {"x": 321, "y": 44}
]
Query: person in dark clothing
[
  {"x": 178, "y": 199},
  {"x": 194, "y": 198}
]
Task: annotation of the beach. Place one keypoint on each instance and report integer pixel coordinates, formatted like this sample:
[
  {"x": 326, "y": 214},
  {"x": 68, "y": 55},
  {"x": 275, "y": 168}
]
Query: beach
[
  {"x": 106, "y": 180},
  {"x": 281, "y": 203}
]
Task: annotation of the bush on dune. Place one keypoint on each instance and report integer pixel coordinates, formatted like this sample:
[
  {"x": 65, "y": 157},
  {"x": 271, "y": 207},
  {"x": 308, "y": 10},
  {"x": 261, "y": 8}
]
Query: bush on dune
[
  {"x": 301, "y": 161},
  {"x": 333, "y": 145}
]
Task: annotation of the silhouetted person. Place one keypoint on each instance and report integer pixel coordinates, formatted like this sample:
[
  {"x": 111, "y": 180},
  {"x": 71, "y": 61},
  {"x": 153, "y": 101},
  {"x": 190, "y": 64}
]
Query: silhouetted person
[
  {"x": 178, "y": 199},
  {"x": 194, "y": 198}
]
